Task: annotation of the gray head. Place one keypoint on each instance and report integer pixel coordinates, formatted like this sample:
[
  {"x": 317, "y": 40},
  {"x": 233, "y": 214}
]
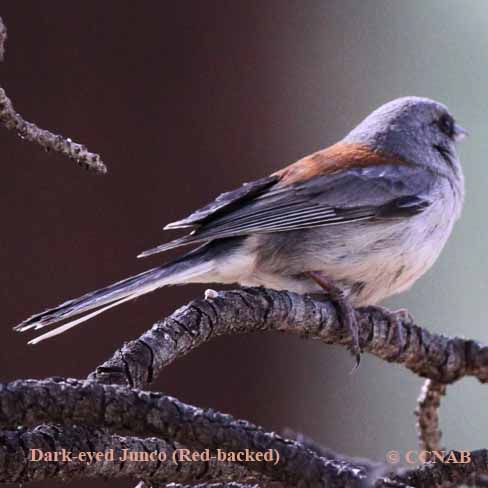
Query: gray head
[{"x": 419, "y": 130}]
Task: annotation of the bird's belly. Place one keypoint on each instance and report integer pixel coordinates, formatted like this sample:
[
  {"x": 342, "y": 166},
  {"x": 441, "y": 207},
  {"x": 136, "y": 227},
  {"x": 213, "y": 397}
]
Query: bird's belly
[
  {"x": 366, "y": 282},
  {"x": 370, "y": 261}
]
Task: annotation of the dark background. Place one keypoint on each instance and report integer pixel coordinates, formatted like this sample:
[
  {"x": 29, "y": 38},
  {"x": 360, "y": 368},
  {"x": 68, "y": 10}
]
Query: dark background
[{"x": 185, "y": 100}]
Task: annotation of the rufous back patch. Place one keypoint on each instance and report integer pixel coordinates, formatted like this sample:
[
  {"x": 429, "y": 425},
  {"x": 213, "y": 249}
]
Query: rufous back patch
[{"x": 338, "y": 157}]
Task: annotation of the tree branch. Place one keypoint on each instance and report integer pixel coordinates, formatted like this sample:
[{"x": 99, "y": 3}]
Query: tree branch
[
  {"x": 123, "y": 410},
  {"x": 436, "y": 356},
  {"x": 3, "y": 39},
  {"x": 31, "y": 132},
  {"x": 439, "y": 474},
  {"x": 427, "y": 414},
  {"x": 366, "y": 467},
  {"x": 16, "y": 465},
  {"x": 120, "y": 409},
  {"x": 428, "y": 430},
  {"x": 210, "y": 485},
  {"x": 440, "y": 358}
]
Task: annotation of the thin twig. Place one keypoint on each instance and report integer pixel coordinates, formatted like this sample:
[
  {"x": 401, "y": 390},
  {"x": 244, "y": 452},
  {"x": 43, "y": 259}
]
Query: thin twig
[
  {"x": 428, "y": 431},
  {"x": 427, "y": 413},
  {"x": 31, "y": 132},
  {"x": 3, "y": 39}
]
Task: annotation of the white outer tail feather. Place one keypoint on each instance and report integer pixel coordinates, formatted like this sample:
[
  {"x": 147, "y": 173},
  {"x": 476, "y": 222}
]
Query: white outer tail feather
[
  {"x": 188, "y": 275},
  {"x": 73, "y": 323}
]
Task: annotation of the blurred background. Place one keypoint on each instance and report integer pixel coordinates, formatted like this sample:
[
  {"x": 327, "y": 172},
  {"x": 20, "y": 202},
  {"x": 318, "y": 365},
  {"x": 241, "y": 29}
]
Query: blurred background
[{"x": 187, "y": 99}]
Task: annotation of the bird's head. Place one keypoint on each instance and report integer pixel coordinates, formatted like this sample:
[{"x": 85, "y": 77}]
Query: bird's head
[{"x": 418, "y": 130}]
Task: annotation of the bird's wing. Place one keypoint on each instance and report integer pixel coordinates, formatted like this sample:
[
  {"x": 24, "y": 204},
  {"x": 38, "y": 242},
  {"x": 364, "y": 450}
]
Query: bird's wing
[
  {"x": 276, "y": 204},
  {"x": 225, "y": 203}
]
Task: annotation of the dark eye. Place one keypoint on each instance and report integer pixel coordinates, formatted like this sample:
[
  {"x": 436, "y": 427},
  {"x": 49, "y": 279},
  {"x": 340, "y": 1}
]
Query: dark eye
[{"x": 446, "y": 124}]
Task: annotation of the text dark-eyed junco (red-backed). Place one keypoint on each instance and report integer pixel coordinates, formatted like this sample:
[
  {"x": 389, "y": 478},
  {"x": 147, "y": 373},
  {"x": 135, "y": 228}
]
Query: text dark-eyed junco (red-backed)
[{"x": 362, "y": 219}]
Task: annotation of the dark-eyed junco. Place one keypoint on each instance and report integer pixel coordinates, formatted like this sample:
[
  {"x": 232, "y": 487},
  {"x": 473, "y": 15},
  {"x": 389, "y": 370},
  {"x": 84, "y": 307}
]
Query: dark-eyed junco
[{"x": 362, "y": 219}]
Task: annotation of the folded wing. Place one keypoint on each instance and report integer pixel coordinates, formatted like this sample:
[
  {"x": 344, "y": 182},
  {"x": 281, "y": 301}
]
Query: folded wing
[{"x": 271, "y": 205}]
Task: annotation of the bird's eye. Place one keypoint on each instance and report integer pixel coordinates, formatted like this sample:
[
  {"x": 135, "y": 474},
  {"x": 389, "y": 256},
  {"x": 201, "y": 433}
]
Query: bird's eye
[{"x": 446, "y": 124}]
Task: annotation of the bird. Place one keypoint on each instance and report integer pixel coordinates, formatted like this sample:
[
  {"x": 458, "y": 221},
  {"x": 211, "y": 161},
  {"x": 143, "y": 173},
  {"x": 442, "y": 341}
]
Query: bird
[{"x": 358, "y": 221}]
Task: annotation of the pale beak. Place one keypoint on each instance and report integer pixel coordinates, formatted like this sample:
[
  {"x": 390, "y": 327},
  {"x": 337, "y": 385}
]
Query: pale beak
[{"x": 459, "y": 133}]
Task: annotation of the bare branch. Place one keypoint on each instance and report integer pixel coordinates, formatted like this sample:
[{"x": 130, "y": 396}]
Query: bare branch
[
  {"x": 17, "y": 448},
  {"x": 31, "y": 132},
  {"x": 440, "y": 358},
  {"x": 116, "y": 408},
  {"x": 429, "y": 434},
  {"x": 3, "y": 39},
  {"x": 138, "y": 413},
  {"x": 365, "y": 466},
  {"x": 427, "y": 414},
  {"x": 443, "y": 475},
  {"x": 242, "y": 311},
  {"x": 212, "y": 485}
]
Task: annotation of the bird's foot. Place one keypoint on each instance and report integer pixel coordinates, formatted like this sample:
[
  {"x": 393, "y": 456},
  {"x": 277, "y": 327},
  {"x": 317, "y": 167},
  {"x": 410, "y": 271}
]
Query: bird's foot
[
  {"x": 345, "y": 311},
  {"x": 397, "y": 319},
  {"x": 399, "y": 315}
]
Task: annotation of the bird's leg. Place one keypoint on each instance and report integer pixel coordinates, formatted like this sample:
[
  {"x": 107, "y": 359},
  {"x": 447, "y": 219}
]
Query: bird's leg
[{"x": 345, "y": 310}]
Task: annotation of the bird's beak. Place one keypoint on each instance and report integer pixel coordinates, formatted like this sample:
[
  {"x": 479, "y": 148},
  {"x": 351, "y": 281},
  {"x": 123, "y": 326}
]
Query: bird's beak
[{"x": 459, "y": 133}]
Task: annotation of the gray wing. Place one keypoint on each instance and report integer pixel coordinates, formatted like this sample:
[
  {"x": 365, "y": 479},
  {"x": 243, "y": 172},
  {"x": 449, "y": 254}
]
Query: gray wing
[
  {"x": 266, "y": 206},
  {"x": 225, "y": 203}
]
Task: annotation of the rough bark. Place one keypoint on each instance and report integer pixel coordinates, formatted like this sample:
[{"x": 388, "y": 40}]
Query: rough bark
[
  {"x": 109, "y": 401},
  {"x": 128, "y": 411},
  {"x": 440, "y": 358},
  {"x": 16, "y": 445},
  {"x": 427, "y": 413}
]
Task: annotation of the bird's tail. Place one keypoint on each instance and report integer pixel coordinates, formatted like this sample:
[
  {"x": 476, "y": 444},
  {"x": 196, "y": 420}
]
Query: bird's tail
[{"x": 191, "y": 268}]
